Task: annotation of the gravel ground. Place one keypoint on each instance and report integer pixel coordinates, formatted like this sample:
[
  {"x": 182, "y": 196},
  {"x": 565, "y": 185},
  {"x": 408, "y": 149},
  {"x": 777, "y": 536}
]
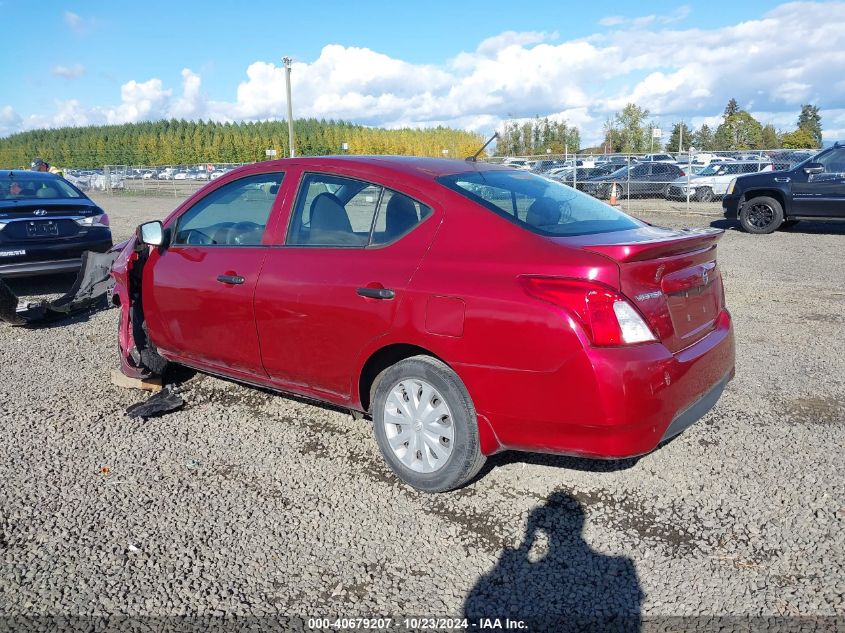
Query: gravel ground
[{"x": 247, "y": 503}]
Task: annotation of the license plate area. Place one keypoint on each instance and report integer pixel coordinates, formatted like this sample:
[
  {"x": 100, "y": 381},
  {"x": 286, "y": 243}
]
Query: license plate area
[{"x": 47, "y": 228}]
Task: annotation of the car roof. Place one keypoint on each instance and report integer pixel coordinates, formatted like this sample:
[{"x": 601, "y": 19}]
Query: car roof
[
  {"x": 27, "y": 173},
  {"x": 415, "y": 166}
]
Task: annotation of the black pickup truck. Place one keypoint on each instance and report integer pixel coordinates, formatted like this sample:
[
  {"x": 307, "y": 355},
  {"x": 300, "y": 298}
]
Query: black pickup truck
[{"x": 812, "y": 190}]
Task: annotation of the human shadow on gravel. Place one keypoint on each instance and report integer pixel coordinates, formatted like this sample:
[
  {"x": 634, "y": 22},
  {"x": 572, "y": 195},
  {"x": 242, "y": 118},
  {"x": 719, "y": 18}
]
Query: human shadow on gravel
[{"x": 554, "y": 581}]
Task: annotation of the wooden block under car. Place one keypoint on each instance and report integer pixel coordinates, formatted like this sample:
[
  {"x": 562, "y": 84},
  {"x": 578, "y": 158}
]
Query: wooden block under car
[{"x": 144, "y": 384}]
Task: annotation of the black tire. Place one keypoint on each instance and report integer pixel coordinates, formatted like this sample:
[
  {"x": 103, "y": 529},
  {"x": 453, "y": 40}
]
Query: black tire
[
  {"x": 704, "y": 194},
  {"x": 761, "y": 215},
  {"x": 466, "y": 458}
]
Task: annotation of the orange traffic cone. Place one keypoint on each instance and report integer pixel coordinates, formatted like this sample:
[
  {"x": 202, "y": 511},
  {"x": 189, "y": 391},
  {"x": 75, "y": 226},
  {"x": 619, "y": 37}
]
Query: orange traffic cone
[{"x": 613, "y": 195}]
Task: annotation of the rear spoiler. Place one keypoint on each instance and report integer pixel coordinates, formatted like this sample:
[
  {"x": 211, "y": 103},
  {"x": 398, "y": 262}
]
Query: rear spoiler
[{"x": 694, "y": 240}]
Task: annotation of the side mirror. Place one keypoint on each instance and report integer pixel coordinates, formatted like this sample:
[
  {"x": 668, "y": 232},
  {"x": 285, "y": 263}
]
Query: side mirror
[
  {"x": 814, "y": 168},
  {"x": 151, "y": 233}
]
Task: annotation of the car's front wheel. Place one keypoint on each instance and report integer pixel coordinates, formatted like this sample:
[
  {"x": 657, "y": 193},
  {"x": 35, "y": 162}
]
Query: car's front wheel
[
  {"x": 704, "y": 194},
  {"x": 761, "y": 215},
  {"x": 425, "y": 425}
]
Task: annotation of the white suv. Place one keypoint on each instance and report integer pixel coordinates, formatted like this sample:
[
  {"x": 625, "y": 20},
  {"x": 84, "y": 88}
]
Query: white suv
[{"x": 712, "y": 181}]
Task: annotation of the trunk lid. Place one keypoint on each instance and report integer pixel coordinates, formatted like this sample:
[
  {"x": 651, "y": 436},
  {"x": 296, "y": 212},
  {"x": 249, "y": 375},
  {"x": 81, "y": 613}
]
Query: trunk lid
[
  {"x": 670, "y": 275},
  {"x": 43, "y": 219}
]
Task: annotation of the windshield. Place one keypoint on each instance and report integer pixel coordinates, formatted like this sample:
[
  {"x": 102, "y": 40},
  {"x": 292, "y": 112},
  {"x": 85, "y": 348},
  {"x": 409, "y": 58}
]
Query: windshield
[
  {"x": 539, "y": 204},
  {"x": 711, "y": 170},
  {"x": 35, "y": 187}
]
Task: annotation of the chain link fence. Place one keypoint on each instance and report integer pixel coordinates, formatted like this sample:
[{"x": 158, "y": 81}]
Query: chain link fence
[
  {"x": 178, "y": 181},
  {"x": 690, "y": 182}
]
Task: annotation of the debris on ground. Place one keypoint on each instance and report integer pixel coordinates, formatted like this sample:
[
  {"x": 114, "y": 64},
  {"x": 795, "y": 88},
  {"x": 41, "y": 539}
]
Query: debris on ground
[
  {"x": 144, "y": 384},
  {"x": 90, "y": 291},
  {"x": 166, "y": 400}
]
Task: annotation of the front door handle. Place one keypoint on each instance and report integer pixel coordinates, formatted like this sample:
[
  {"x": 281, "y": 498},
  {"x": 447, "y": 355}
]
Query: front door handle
[
  {"x": 376, "y": 293},
  {"x": 230, "y": 279}
]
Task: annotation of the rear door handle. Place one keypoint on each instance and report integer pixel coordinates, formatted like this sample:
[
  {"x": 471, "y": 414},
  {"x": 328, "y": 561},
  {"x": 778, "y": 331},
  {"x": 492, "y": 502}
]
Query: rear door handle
[
  {"x": 230, "y": 279},
  {"x": 376, "y": 293}
]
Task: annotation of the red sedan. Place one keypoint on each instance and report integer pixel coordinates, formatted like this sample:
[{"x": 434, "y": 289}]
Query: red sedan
[{"x": 467, "y": 308}]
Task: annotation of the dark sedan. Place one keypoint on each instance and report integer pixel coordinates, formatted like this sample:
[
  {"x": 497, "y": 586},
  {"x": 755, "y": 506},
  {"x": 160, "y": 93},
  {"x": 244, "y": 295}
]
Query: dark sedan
[
  {"x": 642, "y": 180},
  {"x": 46, "y": 224}
]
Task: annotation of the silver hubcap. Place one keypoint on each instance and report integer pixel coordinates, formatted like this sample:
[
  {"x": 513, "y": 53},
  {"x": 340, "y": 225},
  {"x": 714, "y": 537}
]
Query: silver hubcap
[{"x": 418, "y": 425}]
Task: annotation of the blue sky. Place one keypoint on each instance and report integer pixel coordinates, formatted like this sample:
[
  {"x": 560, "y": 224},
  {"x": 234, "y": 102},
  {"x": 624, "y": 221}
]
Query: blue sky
[{"x": 469, "y": 64}]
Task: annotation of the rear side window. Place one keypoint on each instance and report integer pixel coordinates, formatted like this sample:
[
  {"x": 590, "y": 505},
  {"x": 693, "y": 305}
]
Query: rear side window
[
  {"x": 233, "y": 215},
  {"x": 397, "y": 216},
  {"x": 334, "y": 211},
  {"x": 538, "y": 204}
]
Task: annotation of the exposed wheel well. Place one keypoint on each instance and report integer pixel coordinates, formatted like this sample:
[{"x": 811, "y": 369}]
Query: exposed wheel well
[
  {"x": 381, "y": 360},
  {"x": 771, "y": 193}
]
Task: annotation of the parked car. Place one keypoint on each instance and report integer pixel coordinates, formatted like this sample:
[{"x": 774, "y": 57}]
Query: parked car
[
  {"x": 46, "y": 223},
  {"x": 639, "y": 180},
  {"x": 812, "y": 190},
  {"x": 467, "y": 308},
  {"x": 517, "y": 163},
  {"x": 712, "y": 181},
  {"x": 656, "y": 158},
  {"x": 570, "y": 177}
]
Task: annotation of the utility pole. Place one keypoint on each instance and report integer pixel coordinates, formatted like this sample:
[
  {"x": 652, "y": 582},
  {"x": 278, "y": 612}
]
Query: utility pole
[
  {"x": 681, "y": 137},
  {"x": 287, "y": 62}
]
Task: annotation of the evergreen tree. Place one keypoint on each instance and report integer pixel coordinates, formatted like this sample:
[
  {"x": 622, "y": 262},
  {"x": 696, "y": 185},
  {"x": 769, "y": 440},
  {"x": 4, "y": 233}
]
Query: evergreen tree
[
  {"x": 678, "y": 141},
  {"x": 811, "y": 121},
  {"x": 703, "y": 139}
]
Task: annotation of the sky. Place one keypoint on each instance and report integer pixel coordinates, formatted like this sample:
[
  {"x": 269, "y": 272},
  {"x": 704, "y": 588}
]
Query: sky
[{"x": 467, "y": 64}]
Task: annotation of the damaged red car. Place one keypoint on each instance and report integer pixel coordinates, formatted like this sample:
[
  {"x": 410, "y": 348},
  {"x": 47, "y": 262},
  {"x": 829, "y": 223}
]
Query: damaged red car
[{"x": 467, "y": 308}]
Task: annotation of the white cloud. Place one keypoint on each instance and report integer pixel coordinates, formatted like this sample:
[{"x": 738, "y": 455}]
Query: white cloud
[
  {"x": 79, "y": 24},
  {"x": 138, "y": 102},
  {"x": 191, "y": 105},
  {"x": 74, "y": 20},
  {"x": 68, "y": 72},
  {"x": 10, "y": 121},
  {"x": 643, "y": 21},
  {"x": 677, "y": 73}
]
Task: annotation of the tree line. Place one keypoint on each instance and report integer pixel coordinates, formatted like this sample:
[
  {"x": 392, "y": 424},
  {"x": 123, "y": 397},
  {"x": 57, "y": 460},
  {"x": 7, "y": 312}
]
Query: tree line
[
  {"x": 180, "y": 142},
  {"x": 630, "y": 132},
  {"x": 537, "y": 136}
]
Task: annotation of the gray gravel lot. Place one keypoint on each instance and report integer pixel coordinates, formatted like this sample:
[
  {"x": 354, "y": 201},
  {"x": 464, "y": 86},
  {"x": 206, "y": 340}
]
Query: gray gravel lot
[{"x": 249, "y": 503}]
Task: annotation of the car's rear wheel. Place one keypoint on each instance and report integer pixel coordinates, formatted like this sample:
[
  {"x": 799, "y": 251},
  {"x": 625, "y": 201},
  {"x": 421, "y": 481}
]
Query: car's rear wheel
[
  {"x": 761, "y": 215},
  {"x": 704, "y": 194},
  {"x": 425, "y": 425}
]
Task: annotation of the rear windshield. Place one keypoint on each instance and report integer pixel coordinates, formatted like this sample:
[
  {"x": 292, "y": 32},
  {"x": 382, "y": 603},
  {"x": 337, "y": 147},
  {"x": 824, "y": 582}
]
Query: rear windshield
[
  {"x": 539, "y": 204},
  {"x": 24, "y": 187}
]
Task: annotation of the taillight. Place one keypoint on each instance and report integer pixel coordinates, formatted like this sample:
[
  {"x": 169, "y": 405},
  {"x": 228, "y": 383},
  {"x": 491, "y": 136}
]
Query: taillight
[
  {"x": 683, "y": 173},
  {"x": 94, "y": 220},
  {"x": 607, "y": 317}
]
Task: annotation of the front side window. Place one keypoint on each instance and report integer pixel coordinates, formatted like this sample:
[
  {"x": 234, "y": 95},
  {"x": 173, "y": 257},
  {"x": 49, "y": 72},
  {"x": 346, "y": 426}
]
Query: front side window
[
  {"x": 343, "y": 212},
  {"x": 234, "y": 215},
  {"x": 539, "y": 204},
  {"x": 833, "y": 162}
]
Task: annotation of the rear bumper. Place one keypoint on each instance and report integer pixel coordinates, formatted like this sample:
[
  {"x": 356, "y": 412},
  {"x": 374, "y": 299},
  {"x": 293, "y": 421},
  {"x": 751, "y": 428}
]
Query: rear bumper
[
  {"x": 26, "y": 269},
  {"x": 610, "y": 403},
  {"x": 47, "y": 258}
]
